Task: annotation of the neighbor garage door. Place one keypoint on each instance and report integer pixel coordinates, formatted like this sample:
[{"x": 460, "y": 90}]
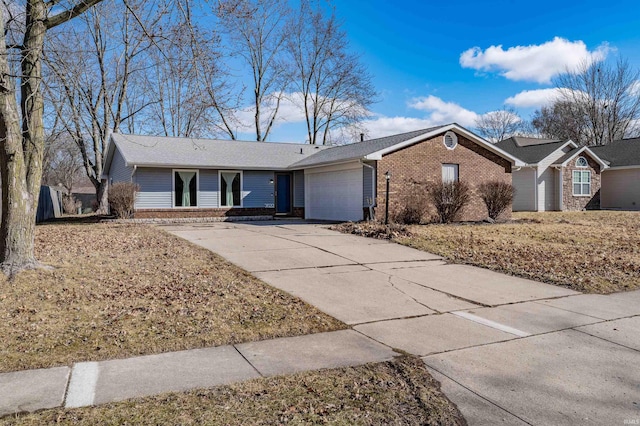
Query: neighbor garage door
[{"x": 334, "y": 193}]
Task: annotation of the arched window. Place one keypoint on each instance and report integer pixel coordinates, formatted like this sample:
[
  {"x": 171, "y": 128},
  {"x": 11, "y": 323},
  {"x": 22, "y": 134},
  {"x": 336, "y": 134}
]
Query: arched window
[{"x": 582, "y": 162}]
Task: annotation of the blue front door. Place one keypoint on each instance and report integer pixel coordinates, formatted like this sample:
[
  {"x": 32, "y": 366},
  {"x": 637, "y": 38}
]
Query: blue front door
[{"x": 283, "y": 193}]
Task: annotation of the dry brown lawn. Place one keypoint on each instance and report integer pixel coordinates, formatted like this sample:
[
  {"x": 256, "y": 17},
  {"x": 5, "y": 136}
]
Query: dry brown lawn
[
  {"x": 399, "y": 392},
  {"x": 592, "y": 251},
  {"x": 125, "y": 290}
]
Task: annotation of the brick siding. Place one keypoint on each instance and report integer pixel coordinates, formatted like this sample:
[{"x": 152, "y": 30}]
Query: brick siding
[
  {"x": 421, "y": 163},
  {"x": 572, "y": 202}
]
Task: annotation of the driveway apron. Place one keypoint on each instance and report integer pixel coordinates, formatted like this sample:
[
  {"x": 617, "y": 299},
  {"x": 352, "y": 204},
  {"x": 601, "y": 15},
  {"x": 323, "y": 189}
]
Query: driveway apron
[{"x": 506, "y": 350}]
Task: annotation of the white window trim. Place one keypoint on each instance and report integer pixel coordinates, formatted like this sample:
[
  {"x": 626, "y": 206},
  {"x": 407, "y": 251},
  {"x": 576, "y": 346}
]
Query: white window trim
[
  {"x": 453, "y": 136},
  {"x": 456, "y": 168},
  {"x": 574, "y": 183},
  {"x": 585, "y": 160},
  {"x": 220, "y": 189},
  {"x": 173, "y": 188}
]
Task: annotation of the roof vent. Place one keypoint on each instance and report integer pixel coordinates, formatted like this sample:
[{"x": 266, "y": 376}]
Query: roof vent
[
  {"x": 450, "y": 140},
  {"x": 300, "y": 150},
  {"x": 361, "y": 137}
]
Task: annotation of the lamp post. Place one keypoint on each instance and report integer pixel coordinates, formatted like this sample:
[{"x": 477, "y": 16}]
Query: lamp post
[{"x": 387, "y": 175}]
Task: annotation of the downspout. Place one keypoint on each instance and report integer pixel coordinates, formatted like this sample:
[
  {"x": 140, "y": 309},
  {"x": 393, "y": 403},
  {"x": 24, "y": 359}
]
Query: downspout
[
  {"x": 133, "y": 172},
  {"x": 373, "y": 189}
]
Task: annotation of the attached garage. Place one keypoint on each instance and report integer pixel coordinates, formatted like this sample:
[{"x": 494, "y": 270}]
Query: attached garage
[
  {"x": 621, "y": 189},
  {"x": 334, "y": 192}
]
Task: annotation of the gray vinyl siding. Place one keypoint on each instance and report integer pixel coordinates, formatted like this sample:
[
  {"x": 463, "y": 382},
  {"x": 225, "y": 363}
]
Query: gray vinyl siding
[
  {"x": 368, "y": 178},
  {"x": 208, "y": 194},
  {"x": 119, "y": 172},
  {"x": 156, "y": 188},
  {"x": 257, "y": 190},
  {"x": 548, "y": 184},
  {"x": 524, "y": 181},
  {"x": 298, "y": 188}
]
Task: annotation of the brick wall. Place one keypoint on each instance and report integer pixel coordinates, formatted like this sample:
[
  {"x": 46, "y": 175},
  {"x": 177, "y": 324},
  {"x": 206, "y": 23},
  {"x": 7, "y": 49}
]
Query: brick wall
[
  {"x": 422, "y": 163},
  {"x": 203, "y": 212},
  {"x": 571, "y": 202}
]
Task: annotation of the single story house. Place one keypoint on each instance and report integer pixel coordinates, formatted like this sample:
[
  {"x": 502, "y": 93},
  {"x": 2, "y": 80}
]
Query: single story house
[
  {"x": 559, "y": 175},
  {"x": 184, "y": 177}
]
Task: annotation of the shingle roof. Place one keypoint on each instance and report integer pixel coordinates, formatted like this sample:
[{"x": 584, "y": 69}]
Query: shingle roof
[
  {"x": 359, "y": 149},
  {"x": 176, "y": 152},
  {"x": 620, "y": 153},
  {"x": 530, "y": 150},
  {"x": 567, "y": 156}
]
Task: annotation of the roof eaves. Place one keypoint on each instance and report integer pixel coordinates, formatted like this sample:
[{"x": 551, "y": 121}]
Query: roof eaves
[{"x": 603, "y": 164}]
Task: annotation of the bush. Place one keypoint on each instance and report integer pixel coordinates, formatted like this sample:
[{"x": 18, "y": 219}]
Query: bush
[
  {"x": 449, "y": 199},
  {"x": 69, "y": 204},
  {"x": 122, "y": 196},
  {"x": 413, "y": 205},
  {"x": 497, "y": 196}
]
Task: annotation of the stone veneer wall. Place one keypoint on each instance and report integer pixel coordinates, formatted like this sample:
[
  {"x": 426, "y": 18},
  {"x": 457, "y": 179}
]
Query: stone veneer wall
[{"x": 572, "y": 202}]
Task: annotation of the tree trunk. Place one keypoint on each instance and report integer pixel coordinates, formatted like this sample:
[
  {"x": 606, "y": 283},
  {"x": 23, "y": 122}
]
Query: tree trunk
[
  {"x": 102, "y": 196},
  {"x": 22, "y": 151}
]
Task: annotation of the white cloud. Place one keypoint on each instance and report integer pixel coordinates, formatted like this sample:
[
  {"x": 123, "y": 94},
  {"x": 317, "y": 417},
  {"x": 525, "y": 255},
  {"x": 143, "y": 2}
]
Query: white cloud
[
  {"x": 537, "y": 63},
  {"x": 438, "y": 112},
  {"x": 533, "y": 98},
  {"x": 441, "y": 112},
  {"x": 290, "y": 111},
  {"x": 385, "y": 126}
]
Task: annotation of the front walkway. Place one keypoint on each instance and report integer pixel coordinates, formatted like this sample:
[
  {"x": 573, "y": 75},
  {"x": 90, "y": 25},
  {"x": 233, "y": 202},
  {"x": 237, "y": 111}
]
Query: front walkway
[{"x": 92, "y": 383}]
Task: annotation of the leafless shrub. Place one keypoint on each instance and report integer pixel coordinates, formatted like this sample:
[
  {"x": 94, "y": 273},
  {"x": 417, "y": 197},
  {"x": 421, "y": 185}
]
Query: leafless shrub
[
  {"x": 413, "y": 205},
  {"x": 497, "y": 196},
  {"x": 70, "y": 204},
  {"x": 122, "y": 196},
  {"x": 373, "y": 230},
  {"x": 449, "y": 199}
]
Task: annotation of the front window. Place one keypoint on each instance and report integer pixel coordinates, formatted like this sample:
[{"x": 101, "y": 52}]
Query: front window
[
  {"x": 449, "y": 173},
  {"x": 230, "y": 189},
  {"x": 581, "y": 182},
  {"x": 185, "y": 184}
]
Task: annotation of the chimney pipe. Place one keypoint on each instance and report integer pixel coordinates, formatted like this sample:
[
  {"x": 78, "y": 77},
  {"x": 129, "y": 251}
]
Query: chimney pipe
[{"x": 361, "y": 137}]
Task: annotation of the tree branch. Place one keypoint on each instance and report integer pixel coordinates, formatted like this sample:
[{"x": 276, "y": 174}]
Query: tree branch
[{"x": 69, "y": 14}]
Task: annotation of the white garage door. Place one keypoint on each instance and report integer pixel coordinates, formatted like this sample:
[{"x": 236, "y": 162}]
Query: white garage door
[{"x": 334, "y": 194}]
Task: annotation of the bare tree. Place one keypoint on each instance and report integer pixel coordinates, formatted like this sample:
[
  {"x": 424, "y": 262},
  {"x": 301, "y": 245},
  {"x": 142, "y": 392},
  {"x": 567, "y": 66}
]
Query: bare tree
[
  {"x": 21, "y": 125},
  {"x": 561, "y": 121},
  {"x": 598, "y": 103},
  {"x": 498, "y": 125},
  {"x": 256, "y": 31},
  {"x": 89, "y": 72},
  {"x": 186, "y": 79},
  {"x": 333, "y": 86},
  {"x": 62, "y": 164}
]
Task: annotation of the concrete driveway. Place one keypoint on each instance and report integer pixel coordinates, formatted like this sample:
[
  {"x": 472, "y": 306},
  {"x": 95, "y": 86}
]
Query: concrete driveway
[{"x": 506, "y": 350}]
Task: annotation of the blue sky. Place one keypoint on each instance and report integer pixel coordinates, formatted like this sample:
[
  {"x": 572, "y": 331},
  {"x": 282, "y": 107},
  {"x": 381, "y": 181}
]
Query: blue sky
[{"x": 415, "y": 51}]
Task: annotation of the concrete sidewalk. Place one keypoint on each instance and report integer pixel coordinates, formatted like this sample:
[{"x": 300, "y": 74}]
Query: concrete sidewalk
[
  {"x": 506, "y": 349},
  {"x": 92, "y": 383}
]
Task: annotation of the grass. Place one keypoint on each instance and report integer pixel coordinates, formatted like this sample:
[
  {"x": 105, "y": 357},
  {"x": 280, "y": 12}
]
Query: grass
[
  {"x": 592, "y": 251},
  {"x": 124, "y": 290},
  {"x": 398, "y": 392}
]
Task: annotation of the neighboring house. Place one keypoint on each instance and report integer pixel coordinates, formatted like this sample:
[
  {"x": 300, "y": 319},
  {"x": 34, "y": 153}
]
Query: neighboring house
[
  {"x": 621, "y": 181},
  {"x": 559, "y": 175},
  {"x": 181, "y": 177}
]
